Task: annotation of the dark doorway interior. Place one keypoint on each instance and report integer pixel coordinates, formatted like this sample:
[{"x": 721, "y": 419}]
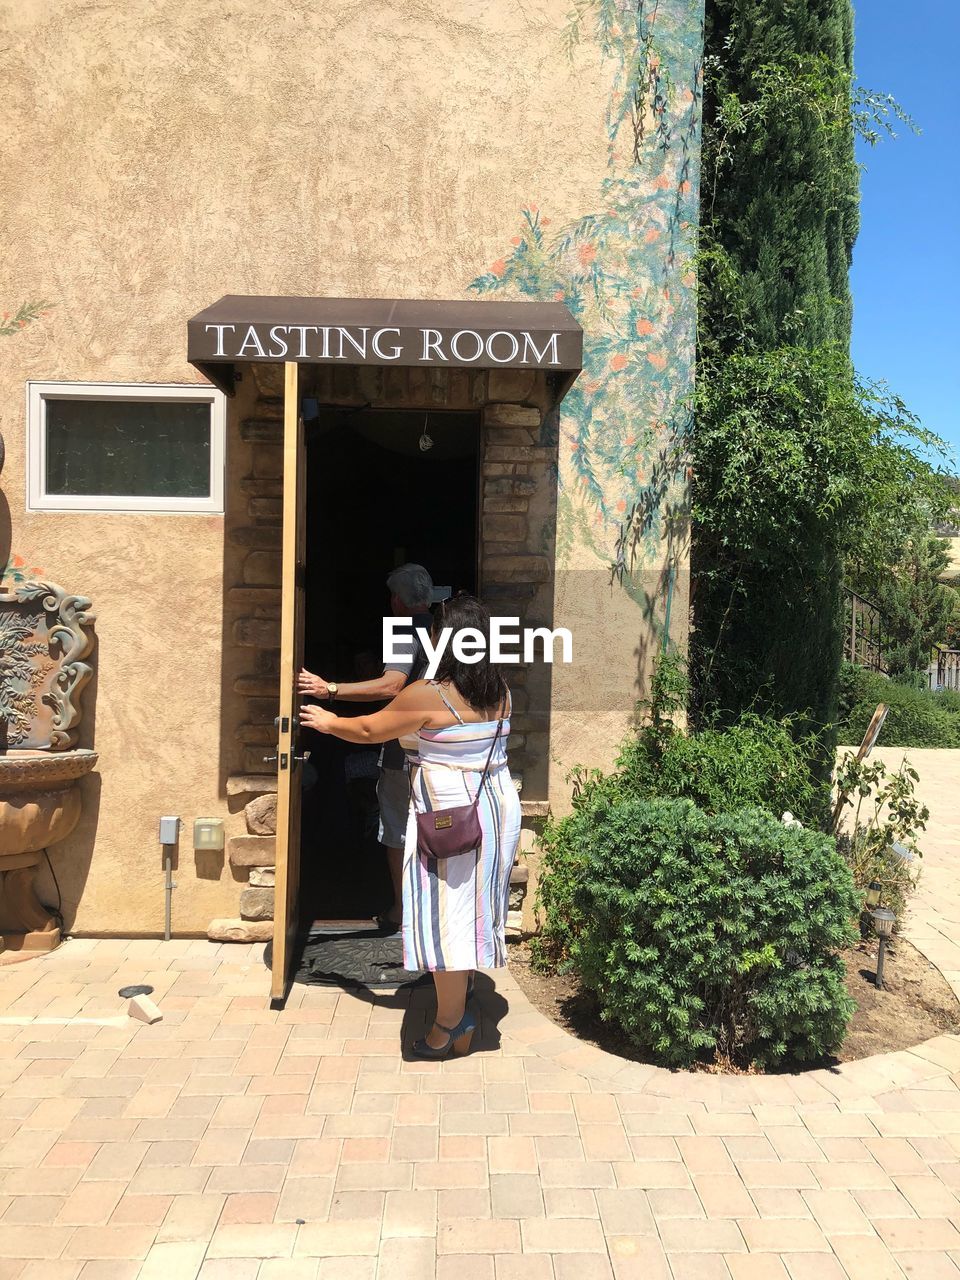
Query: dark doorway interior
[{"x": 375, "y": 499}]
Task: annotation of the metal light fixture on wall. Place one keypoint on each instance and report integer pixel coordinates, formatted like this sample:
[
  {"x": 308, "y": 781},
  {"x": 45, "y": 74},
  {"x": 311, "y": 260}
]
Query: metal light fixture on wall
[{"x": 208, "y": 834}]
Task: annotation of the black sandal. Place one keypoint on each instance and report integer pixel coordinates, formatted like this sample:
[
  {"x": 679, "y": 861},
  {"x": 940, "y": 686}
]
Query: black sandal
[{"x": 458, "y": 1040}]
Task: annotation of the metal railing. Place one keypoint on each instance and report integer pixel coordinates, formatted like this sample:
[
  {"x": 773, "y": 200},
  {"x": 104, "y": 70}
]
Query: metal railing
[
  {"x": 864, "y": 634},
  {"x": 945, "y": 668}
]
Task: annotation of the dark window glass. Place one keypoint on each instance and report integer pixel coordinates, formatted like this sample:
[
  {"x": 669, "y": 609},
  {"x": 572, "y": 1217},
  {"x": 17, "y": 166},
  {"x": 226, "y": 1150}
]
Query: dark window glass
[{"x": 128, "y": 448}]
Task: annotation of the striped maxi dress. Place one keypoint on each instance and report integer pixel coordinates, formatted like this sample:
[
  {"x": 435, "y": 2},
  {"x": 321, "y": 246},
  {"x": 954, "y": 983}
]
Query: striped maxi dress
[{"x": 455, "y": 909}]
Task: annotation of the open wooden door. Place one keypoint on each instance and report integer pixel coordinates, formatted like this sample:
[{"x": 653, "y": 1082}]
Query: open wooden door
[{"x": 286, "y": 917}]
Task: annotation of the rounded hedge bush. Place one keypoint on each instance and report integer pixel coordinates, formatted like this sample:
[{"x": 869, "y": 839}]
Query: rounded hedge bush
[
  {"x": 917, "y": 717},
  {"x": 703, "y": 936}
]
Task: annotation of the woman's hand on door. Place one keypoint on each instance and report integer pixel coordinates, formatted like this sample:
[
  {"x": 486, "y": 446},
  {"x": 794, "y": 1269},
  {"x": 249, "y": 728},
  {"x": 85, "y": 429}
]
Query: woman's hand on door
[
  {"x": 312, "y": 717},
  {"x": 313, "y": 686},
  {"x": 409, "y": 711}
]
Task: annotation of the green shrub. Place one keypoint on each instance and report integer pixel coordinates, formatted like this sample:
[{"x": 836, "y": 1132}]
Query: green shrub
[
  {"x": 913, "y": 720},
  {"x": 757, "y": 762},
  {"x": 948, "y": 700},
  {"x": 557, "y": 906},
  {"x": 702, "y": 935},
  {"x": 911, "y": 679},
  {"x": 917, "y": 717}
]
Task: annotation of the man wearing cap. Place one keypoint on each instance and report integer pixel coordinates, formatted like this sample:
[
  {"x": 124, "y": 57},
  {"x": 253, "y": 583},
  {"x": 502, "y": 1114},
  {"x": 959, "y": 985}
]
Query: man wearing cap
[{"x": 411, "y": 592}]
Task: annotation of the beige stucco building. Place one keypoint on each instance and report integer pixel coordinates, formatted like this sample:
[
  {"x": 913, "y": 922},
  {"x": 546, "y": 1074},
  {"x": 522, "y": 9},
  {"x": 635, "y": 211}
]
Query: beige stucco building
[{"x": 161, "y": 156}]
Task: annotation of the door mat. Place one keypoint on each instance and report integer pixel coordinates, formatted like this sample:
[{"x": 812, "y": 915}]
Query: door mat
[{"x": 353, "y": 958}]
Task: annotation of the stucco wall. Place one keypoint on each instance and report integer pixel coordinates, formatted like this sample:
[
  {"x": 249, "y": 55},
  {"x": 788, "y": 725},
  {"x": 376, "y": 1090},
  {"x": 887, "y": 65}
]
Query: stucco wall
[
  {"x": 159, "y": 156},
  {"x": 624, "y": 267}
]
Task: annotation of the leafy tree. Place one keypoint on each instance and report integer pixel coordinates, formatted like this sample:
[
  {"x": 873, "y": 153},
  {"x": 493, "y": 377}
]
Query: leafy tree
[
  {"x": 797, "y": 465},
  {"x": 780, "y": 193},
  {"x": 798, "y": 468},
  {"x": 919, "y": 609},
  {"x": 778, "y": 222}
]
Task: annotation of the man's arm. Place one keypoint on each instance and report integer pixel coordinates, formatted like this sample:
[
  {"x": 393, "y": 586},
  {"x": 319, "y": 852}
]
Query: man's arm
[
  {"x": 380, "y": 690},
  {"x": 383, "y": 688}
]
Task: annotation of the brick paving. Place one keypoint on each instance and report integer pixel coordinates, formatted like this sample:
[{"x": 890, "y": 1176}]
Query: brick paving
[{"x": 230, "y": 1141}]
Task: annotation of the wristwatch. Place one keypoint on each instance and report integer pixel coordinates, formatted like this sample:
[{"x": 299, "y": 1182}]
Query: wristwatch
[{"x": 332, "y": 688}]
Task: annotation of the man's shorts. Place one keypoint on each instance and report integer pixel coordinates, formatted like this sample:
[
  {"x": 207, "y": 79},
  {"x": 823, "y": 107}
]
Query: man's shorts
[{"x": 393, "y": 794}]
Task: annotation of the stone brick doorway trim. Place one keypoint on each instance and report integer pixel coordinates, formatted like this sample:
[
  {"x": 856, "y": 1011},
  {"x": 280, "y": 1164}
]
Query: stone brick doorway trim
[{"x": 518, "y": 463}]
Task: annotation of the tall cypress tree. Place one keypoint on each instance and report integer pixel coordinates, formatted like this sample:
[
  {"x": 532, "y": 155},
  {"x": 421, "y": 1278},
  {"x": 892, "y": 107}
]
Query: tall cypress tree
[
  {"x": 785, "y": 204},
  {"x": 779, "y": 215}
]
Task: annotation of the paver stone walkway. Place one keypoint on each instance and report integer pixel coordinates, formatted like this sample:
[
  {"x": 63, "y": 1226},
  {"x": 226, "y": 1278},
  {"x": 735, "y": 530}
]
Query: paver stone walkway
[{"x": 233, "y": 1141}]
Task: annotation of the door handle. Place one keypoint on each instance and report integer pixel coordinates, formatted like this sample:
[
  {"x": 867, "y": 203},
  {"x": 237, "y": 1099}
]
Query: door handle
[{"x": 269, "y": 759}]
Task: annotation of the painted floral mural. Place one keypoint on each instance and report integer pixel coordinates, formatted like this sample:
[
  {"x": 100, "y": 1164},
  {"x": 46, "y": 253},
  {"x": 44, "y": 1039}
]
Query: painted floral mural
[
  {"x": 26, "y": 313},
  {"x": 625, "y": 271},
  {"x": 16, "y": 570}
]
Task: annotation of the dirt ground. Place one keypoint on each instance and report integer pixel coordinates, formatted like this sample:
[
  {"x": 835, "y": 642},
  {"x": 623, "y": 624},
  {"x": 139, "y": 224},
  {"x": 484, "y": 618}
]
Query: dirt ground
[{"x": 915, "y": 1005}]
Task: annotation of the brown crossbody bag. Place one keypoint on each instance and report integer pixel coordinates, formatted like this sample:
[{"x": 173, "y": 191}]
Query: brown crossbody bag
[{"x": 443, "y": 833}]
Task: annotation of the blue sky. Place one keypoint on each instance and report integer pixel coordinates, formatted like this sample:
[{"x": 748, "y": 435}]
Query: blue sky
[{"x": 906, "y": 263}]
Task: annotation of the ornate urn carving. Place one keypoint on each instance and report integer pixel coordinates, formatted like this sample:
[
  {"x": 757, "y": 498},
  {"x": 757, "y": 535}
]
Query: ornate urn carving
[{"x": 44, "y": 637}]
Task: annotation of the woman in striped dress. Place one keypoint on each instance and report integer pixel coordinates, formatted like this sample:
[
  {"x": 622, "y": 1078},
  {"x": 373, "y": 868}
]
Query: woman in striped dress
[{"x": 454, "y": 909}]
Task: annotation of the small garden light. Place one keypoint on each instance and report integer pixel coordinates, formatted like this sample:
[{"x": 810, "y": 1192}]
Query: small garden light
[
  {"x": 883, "y": 922},
  {"x": 873, "y": 894},
  {"x": 900, "y": 851}
]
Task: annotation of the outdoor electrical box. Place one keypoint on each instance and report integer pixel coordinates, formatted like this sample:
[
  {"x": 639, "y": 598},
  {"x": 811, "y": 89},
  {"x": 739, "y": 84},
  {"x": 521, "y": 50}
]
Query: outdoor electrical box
[
  {"x": 208, "y": 833},
  {"x": 169, "y": 830}
]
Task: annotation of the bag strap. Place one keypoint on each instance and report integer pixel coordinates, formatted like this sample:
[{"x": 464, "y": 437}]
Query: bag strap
[{"x": 486, "y": 767}]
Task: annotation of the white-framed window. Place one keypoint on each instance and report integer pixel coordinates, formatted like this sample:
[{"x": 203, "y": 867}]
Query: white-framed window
[{"x": 125, "y": 447}]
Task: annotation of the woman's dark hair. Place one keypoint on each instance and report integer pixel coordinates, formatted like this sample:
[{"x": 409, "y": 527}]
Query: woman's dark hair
[{"x": 479, "y": 683}]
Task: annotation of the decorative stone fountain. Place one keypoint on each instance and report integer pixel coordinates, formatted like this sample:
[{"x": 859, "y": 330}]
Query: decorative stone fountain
[{"x": 44, "y": 635}]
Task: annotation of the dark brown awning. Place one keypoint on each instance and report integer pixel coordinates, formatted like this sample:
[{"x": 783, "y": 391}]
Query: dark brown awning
[{"x": 385, "y": 331}]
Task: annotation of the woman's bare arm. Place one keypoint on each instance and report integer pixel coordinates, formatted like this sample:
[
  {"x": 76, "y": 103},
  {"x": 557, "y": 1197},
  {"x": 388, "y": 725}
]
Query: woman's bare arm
[{"x": 412, "y": 708}]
